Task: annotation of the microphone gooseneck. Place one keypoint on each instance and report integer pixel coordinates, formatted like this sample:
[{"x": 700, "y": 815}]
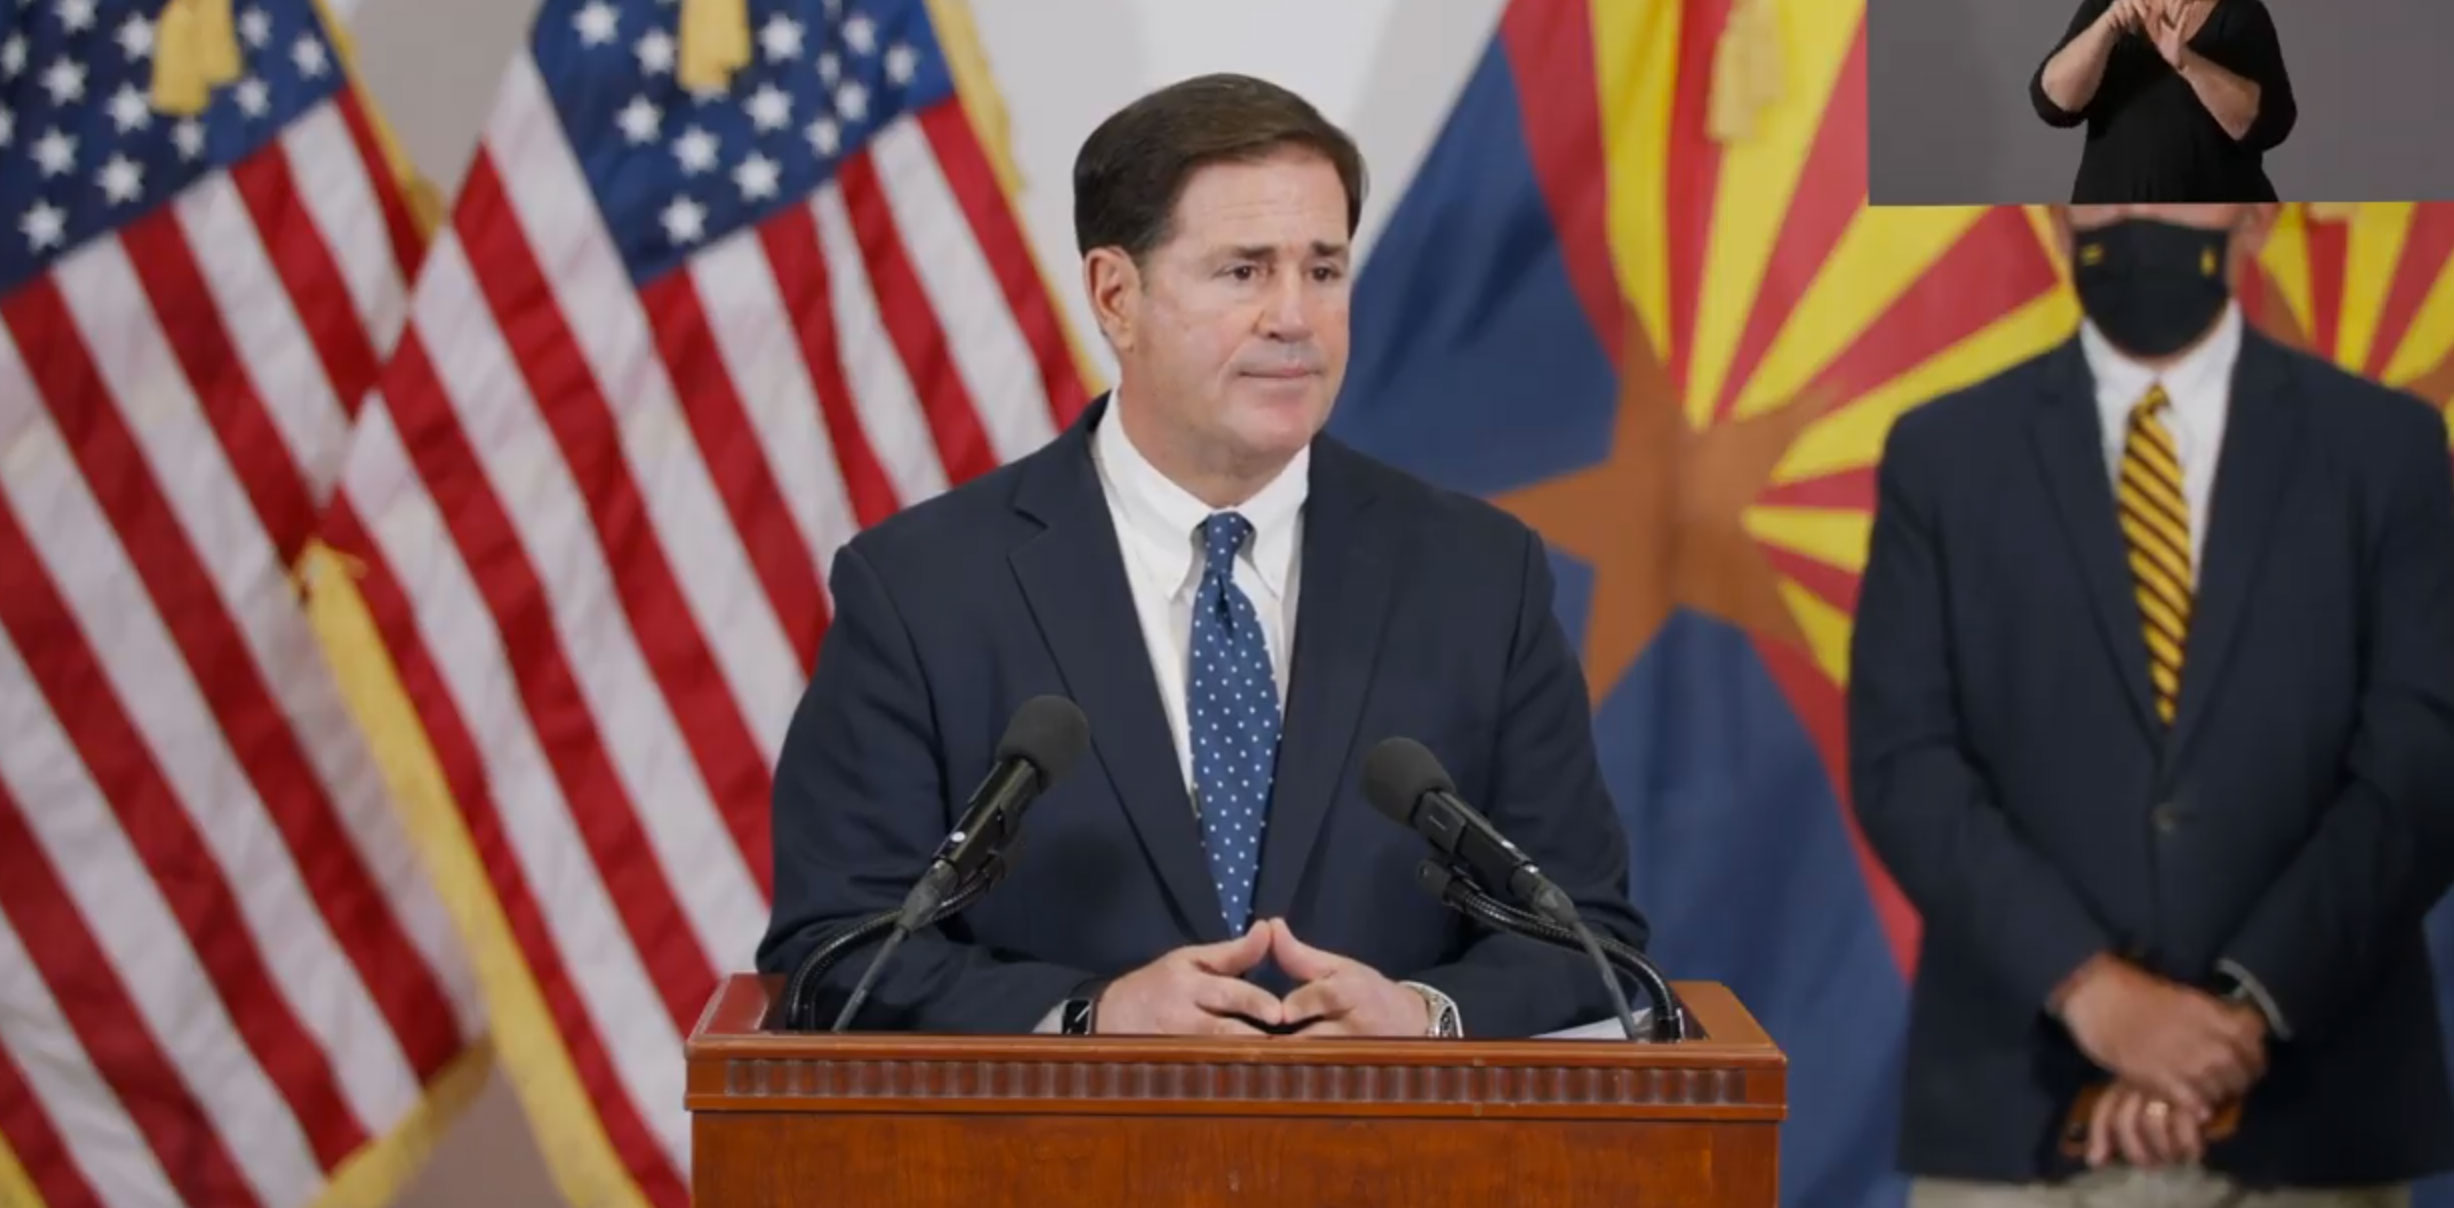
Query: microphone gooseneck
[
  {"x": 1404, "y": 781},
  {"x": 799, "y": 1012},
  {"x": 1456, "y": 889},
  {"x": 1610, "y": 983},
  {"x": 1040, "y": 745}
]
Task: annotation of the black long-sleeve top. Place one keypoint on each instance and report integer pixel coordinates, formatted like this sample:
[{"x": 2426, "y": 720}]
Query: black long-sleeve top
[{"x": 2150, "y": 138}]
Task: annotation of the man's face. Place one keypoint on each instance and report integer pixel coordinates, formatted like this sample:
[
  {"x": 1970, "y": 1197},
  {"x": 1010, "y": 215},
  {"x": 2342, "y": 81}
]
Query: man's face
[{"x": 1234, "y": 330}]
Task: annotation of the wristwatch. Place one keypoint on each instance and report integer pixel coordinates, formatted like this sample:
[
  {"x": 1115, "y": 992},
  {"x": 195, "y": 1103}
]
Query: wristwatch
[
  {"x": 1078, "y": 1015},
  {"x": 1442, "y": 1009}
]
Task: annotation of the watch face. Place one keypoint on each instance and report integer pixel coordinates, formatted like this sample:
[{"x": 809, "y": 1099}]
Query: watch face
[{"x": 1077, "y": 1020}]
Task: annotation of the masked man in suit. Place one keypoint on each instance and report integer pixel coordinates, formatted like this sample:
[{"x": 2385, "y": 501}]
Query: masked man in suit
[{"x": 2152, "y": 717}]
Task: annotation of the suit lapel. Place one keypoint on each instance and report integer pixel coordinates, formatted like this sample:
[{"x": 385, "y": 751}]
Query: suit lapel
[
  {"x": 1347, "y": 568},
  {"x": 1073, "y": 577},
  {"x": 2071, "y": 453},
  {"x": 2252, "y": 472}
]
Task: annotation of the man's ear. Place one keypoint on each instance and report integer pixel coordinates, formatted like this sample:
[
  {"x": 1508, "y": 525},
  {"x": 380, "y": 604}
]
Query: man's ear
[
  {"x": 2249, "y": 237},
  {"x": 1113, "y": 283},
  {"x": 2257, "y": 223}
]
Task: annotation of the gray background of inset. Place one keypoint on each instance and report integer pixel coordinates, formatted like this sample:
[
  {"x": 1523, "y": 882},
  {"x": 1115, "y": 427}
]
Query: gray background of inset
[{"x": 1949, "y": 120}]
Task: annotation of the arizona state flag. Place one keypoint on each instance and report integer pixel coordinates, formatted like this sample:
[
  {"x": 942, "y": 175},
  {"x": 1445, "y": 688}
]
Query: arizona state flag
[{"x": 1635, "y": 296}]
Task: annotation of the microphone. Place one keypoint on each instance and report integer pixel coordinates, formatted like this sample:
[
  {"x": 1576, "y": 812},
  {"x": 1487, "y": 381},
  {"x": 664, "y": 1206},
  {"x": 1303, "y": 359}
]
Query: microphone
[
  {"x": 1405, "y": 781},
  {"x": 1041, "y": 743}
]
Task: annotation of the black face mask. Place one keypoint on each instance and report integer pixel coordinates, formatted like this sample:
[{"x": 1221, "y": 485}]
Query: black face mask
[{"x": 2151, "y": 287}]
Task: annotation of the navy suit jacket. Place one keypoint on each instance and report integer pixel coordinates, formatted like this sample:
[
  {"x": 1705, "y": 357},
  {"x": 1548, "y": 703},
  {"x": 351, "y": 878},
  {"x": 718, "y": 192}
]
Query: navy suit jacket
[
  {"x": 2298, "y": 817},
  {"x": 1424, "y": 614}
]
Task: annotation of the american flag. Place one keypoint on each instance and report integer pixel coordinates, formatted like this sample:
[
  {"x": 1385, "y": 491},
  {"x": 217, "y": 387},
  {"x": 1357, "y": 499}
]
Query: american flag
[
  {"x": 224, "y": 978},
  {"x": 674, "y": 348}
]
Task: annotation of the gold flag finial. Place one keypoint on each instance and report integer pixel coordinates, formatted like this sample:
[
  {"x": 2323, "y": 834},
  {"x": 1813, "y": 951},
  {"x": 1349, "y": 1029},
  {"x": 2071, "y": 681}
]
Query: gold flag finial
[
  {"x": 1746, "y": 70},
  {"x": 195, "y": 50},
  {"x": 715, "y": 43}
]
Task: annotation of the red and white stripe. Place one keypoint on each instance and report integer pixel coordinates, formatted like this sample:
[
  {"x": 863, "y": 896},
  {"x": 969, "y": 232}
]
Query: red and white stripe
[
  {"x": 596, "y": 520},
  {"x": 225, "y": 972}
]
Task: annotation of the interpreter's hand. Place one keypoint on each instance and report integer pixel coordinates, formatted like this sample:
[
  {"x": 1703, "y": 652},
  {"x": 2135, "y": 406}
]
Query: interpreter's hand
[
  {"x": 1345, "y": 997},
  {"x": 2180, "y": 1044},
  {"x": 2166, "y": 31},
  {"x": 1193, "y": 991},
  {"x": 2132, "y": 1123},
  {"x": 2129, "y": 16}
]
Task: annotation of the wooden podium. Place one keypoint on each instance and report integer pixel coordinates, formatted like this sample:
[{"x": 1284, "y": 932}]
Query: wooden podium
[{"x": 781, "y": 1118}]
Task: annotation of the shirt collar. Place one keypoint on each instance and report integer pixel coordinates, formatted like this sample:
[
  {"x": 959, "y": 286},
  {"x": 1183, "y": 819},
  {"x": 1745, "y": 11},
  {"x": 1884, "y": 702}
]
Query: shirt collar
[
  {"x": 2197, "y": 384},
  {"x": 1170, "y": 517}
]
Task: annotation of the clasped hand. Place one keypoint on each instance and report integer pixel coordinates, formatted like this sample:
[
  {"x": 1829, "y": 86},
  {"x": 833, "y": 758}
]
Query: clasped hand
[
  {"x": 2178, "y": 1053},
  {"x": 1200, "y": 991}
]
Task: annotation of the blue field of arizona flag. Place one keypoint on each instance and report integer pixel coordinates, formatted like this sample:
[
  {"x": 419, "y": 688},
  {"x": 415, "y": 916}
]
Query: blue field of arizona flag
[{"x": 1634, "y": 295}]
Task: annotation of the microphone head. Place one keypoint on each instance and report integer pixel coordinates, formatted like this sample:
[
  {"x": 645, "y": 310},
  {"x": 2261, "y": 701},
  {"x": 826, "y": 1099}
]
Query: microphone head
[
  {"x": 1049, "y": 731},
  {"x": 1396, "y": 774}
]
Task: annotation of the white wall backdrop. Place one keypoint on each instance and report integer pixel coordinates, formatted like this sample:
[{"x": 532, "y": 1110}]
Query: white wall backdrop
[{"x": 1386, "y": 70}]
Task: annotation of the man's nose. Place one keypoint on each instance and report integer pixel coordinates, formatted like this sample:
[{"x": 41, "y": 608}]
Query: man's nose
[{"x": 1282, "y": 313}]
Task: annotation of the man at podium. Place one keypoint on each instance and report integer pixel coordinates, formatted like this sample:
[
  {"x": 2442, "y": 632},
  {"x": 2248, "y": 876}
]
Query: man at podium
[{"x": 1241, "y": 608}]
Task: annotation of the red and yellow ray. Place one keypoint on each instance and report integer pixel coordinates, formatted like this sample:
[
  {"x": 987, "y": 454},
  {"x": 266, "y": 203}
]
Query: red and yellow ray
[
  {"x": 1775, "y": 326},
  {"x": 2369, "y": 287}
]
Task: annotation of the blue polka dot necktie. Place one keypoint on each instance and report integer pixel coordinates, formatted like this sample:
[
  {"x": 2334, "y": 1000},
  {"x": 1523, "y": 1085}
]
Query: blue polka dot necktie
[{"x": 1233, "y": 715}]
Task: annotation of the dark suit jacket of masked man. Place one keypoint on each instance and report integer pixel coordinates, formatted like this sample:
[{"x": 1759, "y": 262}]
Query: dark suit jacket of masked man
[{"x": 2295, "y": 821}]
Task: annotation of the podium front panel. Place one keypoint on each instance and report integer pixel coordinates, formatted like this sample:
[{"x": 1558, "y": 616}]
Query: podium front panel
[{"x": 857, "y": 1119}]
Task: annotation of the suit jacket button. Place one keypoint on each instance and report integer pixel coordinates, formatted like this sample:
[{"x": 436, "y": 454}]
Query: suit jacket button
[{"x": 2166, "y": 818}]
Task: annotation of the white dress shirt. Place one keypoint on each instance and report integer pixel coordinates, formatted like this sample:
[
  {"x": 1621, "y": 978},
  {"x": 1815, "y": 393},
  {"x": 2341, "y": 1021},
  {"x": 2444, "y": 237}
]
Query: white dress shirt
[
  {"x": 1158, "y": 526},
  {"x": 2200, "y": 389}
]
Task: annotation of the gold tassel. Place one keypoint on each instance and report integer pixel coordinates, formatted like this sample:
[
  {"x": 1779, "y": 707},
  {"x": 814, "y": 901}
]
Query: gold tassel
[
  {"x": 195, "y": 50},
  {"x": 178, "y": 78},
  {"x": 1746, "y": 70},
  {"x": 715, "y": 43},
  {"x": 217, "y": 42}
]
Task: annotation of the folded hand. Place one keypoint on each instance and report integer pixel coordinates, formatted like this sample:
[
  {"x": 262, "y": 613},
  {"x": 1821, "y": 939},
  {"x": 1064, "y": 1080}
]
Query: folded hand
[
  {"x": 1194, "y": 991},
  {"x": 1343, "y": 996},
  {"x": 2143, "y": 1130},
  {"x": 2182, "y": 1045}
]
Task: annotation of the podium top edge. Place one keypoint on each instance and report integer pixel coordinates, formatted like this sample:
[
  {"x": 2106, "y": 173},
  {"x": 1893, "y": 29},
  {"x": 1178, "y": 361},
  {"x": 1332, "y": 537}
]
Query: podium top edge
[{"x": 734, "y": 1024}]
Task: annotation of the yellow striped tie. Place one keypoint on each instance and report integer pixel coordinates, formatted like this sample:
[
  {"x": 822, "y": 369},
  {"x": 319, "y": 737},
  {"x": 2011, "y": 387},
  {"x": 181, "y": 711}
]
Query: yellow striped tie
[{"x": 2156, "y": 521}]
